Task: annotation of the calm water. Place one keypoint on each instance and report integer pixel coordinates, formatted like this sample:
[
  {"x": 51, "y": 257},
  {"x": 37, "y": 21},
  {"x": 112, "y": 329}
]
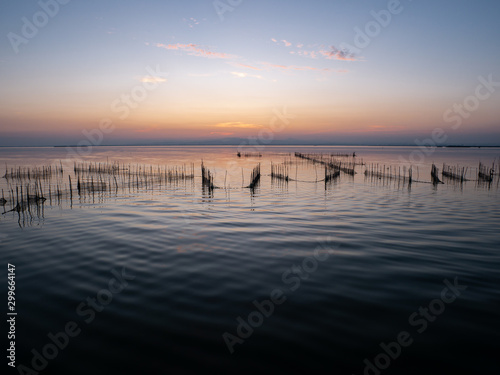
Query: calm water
[{"x": 348, "y": 265}]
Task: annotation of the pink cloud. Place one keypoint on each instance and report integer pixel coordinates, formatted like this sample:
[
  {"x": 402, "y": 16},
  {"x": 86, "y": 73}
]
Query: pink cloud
[
  {"x": 337, "y": 54},
  {"x": 245, "y": 66},
  {"x": 276, "y": 66},
  {"x": 195, "y": 50},
  {"x": 311, "y": 54}
]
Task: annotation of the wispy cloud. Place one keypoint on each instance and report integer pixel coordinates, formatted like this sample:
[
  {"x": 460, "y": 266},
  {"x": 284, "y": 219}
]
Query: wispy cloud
[
  {"x": 237, "y": 124},
  {"x": 317, "y": 51},
  {"x": 245, "y": 66},
  {"x": 338, "y": 54},
  {"x": 192, "y": 22},
  {"x": 284, "y": 42},
  {"x": 149, "y": 79},
  {"x": 195, "y": 50},
  {"x": 311, "y": 54},
  {"x": 245, "y": 75},
  {"x": 200, "y": 51}
]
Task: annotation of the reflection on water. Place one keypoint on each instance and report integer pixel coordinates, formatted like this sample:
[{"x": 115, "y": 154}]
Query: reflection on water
[{"x": 203, "y": 246}]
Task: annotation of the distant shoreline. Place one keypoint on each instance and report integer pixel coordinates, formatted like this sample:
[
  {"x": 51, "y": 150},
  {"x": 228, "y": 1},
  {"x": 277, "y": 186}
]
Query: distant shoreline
[{"x": 250, "y": 146}]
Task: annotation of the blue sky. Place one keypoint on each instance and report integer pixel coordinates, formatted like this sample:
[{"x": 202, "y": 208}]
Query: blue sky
[{"x": 222, "y": 76}]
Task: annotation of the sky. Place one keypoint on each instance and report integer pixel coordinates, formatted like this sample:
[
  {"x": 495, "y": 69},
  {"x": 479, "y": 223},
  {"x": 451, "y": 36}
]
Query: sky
[{"x": 202, "y": 71}]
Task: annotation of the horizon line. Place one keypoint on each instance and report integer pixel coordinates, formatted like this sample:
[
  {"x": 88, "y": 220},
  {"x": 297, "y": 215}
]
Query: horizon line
[{"x": 248, "y": 145}]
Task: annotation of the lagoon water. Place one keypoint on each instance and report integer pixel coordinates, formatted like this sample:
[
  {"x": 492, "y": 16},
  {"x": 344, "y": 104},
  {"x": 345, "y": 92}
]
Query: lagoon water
[{"x": 348, "y": 266}]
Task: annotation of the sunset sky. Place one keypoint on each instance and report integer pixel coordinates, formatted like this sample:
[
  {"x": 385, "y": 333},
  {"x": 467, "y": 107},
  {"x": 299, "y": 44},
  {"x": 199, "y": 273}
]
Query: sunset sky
[{"x": 355, "y": 72}]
